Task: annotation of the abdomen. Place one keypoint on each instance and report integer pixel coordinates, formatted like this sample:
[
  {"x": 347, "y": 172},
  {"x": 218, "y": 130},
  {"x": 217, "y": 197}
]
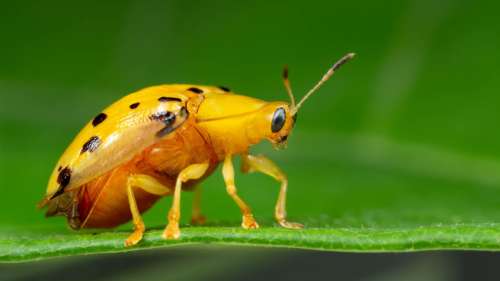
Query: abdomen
[{"x": 103, "y": 202}]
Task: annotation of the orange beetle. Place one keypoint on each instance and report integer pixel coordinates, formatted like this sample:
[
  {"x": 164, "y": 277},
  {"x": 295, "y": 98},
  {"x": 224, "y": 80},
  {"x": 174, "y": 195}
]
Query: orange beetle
[{"x": 162, "y": 140}]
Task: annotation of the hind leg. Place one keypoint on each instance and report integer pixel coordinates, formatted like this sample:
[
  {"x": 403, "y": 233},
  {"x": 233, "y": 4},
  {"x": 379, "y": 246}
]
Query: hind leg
[{"x": 150, "y": 185}]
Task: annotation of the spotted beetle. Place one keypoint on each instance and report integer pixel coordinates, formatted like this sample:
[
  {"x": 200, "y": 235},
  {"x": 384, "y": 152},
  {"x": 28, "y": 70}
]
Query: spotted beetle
[{"x": 164, "y": 139}]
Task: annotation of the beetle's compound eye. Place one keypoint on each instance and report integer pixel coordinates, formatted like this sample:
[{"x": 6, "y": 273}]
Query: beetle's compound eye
[{"x": 278, "y": 120}]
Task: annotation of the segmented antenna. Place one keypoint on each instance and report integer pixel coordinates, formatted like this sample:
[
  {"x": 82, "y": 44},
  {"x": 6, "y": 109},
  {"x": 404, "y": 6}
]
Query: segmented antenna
[
  {"x": 325, "y": 77},
  {"x": 288, "y": 88}
]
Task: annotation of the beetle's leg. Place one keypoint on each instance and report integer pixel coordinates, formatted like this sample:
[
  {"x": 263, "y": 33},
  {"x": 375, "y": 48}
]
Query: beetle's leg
[
  {"x": 196, "y": 216},
  {"x": 228, "y": 173},
  {"x": 150, "y": 185},
  {"x": 191, "y": 172},
  {"x": 262, "y": 164}
]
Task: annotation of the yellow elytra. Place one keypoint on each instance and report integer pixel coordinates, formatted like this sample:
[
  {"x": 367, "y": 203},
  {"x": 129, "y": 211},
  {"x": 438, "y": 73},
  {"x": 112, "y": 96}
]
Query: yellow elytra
[{"x": 164, "y": 139}]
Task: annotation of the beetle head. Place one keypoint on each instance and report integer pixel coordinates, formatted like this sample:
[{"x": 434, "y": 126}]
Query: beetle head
[
  {"x": 277, "y": 122},
  {"x": 280, "y": 117}
]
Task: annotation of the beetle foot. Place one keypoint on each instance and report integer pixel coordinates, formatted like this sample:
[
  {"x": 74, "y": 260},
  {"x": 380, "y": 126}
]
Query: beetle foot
[
  {"x": 198, "y": 220},
  {"x": 172, "y": 232},
  {"x": 290, "y": 225},
  {"x": 134, "y": 238},
  {"x": 249, "y": 222}
]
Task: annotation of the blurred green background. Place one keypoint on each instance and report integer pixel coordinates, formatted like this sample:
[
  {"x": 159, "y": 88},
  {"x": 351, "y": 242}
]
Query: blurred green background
[
  {"x": 420, "y": 100},
  {"x": 405, "y": 135}
]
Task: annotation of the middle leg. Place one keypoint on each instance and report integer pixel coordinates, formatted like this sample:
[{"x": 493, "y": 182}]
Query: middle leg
[
  {"x": 197, "y": 218},
  {"x": 191, "y": 172}
]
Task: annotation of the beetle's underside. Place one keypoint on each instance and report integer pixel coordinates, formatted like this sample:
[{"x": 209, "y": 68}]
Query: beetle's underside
[{"x": 103, "y": 202}]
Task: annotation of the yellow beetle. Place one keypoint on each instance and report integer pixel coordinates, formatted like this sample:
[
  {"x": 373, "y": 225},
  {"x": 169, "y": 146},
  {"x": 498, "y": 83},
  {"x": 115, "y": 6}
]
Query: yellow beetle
[{"x": 162, "y": 140}]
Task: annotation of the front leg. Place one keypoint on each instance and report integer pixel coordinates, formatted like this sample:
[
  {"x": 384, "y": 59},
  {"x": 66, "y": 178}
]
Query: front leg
[
  {"x": 262, "y": 164},
  {"x": 228, "y": 174}
]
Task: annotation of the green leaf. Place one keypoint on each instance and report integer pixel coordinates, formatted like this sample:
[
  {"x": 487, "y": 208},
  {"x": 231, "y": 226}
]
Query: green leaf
[
  {"x": 370, "y": 195},
  {"x": 52, "y": 244}
]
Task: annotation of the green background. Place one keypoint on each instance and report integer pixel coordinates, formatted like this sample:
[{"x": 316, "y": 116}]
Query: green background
[{"x": 404, "y": 138}]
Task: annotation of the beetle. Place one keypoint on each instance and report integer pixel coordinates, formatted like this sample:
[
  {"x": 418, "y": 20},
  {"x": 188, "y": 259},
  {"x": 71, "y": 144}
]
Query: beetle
[{"x": 162, "y": 140}]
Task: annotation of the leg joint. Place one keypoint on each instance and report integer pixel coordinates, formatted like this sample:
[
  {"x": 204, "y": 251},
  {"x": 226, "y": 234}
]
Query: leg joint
[
  {"x": 283, "y": 178},
  {"x": 231, "y": 189},
  {"x": 130, "y": 181}
]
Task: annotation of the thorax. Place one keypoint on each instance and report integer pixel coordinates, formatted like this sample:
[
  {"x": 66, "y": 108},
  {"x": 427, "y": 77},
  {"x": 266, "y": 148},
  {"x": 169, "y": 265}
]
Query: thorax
[{"x": 189, "y": 145}]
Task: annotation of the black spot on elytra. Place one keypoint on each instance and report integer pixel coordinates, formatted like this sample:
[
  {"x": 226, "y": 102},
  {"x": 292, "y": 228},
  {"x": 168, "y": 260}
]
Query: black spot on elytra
[
  {"x": 195, "y": 90},
  {"x": 91, "y": 145},
  {"x": 59, "y": 169},
  {"x": 165, "y": 99},
  {"x": 165, "y": 116},
  {"x": 134, "y": 105},
  {"x": 225, "y": 89},
  {"x": 63, "y": 180},
  {"x": 64, "y": 177},
  {"x": 169, "y": 120},
  {"x": 99, "y": 118}
]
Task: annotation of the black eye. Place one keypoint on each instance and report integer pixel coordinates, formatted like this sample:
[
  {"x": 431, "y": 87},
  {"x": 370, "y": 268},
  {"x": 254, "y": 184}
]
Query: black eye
[{"x": 278, "y": 120}]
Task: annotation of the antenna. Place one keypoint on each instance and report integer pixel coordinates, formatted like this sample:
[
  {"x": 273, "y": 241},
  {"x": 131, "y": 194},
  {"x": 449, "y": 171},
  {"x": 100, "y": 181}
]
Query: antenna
[
  {"x": 325, "y": 77},
  {"x": 288, "y": 88}
]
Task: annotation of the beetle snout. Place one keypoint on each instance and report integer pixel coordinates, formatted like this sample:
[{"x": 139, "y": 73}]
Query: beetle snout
[
  {"x": 281, "y": 142},
  {"x": 283, "y": 138}
]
